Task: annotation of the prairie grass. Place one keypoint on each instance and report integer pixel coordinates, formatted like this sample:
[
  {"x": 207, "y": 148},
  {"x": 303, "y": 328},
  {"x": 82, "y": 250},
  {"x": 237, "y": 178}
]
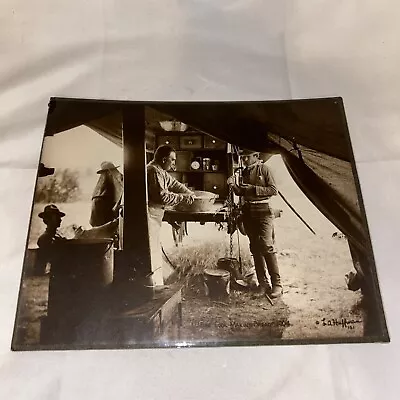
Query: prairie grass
[{"x": 312, "y": 269}]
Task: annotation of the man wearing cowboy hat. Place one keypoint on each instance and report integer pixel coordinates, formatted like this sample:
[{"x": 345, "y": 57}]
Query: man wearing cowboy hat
[
  {"x": 256, "y": 189},
  {"x": 107, "y": 194},
  {"x": 106, "y": 166},
  {"x": 51, "y": 216}
]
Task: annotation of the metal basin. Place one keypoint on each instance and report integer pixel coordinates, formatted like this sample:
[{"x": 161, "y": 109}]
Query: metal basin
[{"x": 203, "y": 202}]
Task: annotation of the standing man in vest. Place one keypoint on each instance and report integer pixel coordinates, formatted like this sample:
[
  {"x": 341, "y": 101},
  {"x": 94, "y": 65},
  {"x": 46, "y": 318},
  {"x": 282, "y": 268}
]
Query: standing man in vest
[
  {"x": 163, "y": 190},
  {"x": 257, "y": 188},
  {"x": 107, "y": 195}
]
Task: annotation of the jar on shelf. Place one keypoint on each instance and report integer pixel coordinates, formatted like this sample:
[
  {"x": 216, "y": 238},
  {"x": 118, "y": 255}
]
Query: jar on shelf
[
  {"x": 215, "y": 165},
  {"x": 206, "y": 164}
]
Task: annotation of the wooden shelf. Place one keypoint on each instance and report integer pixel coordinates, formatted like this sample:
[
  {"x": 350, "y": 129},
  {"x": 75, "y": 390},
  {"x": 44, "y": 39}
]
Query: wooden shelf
[
  {"x": 200, "y": 146},
  {"x": 205, "y": 149},
  {"x": 199, "y": 171}
]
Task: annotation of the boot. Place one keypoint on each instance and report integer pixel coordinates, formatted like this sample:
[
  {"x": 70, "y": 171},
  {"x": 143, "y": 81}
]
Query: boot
[
  {"x": 273, "y": 270},
  {"x": 260, "y": 267}
]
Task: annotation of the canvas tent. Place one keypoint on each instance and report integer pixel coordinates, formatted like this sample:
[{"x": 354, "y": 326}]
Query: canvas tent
[{"x": 310, "y": 135}]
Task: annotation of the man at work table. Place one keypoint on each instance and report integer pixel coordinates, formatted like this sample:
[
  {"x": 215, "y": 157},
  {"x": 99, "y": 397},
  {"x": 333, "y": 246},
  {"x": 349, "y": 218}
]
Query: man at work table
[{"x": 163, "y": 190}]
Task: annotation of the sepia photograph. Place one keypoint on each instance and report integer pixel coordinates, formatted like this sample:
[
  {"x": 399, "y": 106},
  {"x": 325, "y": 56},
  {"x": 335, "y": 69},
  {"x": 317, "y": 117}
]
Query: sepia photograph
[{"x": 185, "y": 224}]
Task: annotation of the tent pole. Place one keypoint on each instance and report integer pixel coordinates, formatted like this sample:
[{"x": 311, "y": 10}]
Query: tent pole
[
  {"x": 297, "y": 214},
  {"x": 136, "y": 244}
]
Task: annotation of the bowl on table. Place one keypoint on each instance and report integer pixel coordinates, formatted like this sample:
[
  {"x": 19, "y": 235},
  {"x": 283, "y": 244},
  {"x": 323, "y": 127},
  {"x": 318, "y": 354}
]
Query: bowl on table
[{"x": 203, "y": 201}]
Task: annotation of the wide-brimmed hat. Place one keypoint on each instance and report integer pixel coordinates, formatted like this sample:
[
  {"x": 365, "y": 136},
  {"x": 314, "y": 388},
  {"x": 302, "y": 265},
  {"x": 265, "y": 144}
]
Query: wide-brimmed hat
[
  {"x": 106, "y": 166},
  {"x": 247, "y": 152},
  {"x": 49, "y": 210}
]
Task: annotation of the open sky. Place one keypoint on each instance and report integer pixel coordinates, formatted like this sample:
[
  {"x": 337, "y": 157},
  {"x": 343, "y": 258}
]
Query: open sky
[{"x": 81, "y": 148}]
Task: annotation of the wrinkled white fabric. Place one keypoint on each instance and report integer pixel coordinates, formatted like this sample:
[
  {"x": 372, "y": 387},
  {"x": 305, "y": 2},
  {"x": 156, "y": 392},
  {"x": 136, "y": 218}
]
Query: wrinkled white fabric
[
  {"x": 202, "y": 50},
  {"x": 154, "y": 218}
]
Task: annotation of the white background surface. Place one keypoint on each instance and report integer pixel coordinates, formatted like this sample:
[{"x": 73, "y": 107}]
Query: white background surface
[{"x": 202, "y": 50}]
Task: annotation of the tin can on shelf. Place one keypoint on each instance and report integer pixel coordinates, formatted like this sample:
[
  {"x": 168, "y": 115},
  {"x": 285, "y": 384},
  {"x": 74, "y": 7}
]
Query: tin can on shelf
[{"x": 206, "y": 164}]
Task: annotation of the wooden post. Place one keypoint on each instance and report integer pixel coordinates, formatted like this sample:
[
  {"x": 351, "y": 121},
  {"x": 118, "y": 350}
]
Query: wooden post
[{"x": 135, "y": 231}]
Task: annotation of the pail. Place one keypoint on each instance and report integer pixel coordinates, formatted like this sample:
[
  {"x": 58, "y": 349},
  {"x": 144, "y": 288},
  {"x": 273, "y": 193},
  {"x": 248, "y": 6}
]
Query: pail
[
  {"x": 217, "y": 283},
  {"x": 81, "y": 270},
  {"x": 232, "y": 265}
]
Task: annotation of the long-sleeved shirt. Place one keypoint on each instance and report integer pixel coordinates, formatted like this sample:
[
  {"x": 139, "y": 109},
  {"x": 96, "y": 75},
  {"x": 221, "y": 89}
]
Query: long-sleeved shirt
[
  {"x": 163, "y": 189},
  {"x": 109, "y": 185},
  {"x": 263, "y": 186},
  {"x": 48, "y": 238},
  {"x": 46, "y": 252}
]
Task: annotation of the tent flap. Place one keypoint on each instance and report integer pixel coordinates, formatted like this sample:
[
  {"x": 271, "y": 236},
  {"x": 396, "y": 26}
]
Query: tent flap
[
  {"x": 65, "y": 114},
  {"x": 322, "y": 168},
  {"x": 317, "y": 129},
  {"x": 316, "y": 123},
  {"x": 329, "y": 201}
]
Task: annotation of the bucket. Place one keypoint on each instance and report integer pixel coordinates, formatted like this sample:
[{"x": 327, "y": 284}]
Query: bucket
[
  {"x": 81, "y": 271},
  {"x": 232, "y": 265},
  {"x": 217, "y": 283}
]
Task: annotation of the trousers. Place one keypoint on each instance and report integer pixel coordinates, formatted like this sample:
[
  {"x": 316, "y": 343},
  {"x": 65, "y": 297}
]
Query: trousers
[
  {"x": 154, "y": 220},
  {"x": 258, "y": 221}
]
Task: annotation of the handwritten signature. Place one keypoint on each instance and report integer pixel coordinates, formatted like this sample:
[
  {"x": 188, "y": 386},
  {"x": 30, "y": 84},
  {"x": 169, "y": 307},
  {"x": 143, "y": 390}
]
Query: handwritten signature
[{"x": 342, "y": 322}]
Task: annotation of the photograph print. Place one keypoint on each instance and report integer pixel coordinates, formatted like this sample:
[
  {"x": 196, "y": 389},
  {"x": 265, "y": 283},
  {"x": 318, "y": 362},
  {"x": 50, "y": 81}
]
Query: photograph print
[{"x": 184, "y": 224}]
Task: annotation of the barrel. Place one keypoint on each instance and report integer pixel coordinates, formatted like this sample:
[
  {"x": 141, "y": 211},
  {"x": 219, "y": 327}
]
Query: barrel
[
  {"x": 81, "y": 270},
  {"x": 217, "y": 283}
]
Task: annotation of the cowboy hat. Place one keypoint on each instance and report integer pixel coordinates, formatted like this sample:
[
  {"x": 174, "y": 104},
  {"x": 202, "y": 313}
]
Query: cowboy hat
[
  {"x": 247, "y": 152},
  {"x": 51, "y": 209},
  {"x": 106, "y": 166}
]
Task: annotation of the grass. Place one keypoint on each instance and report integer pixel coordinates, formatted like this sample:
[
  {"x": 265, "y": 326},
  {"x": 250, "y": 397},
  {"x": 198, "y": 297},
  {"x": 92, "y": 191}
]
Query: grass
[{"x": 312, "y": 269}]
